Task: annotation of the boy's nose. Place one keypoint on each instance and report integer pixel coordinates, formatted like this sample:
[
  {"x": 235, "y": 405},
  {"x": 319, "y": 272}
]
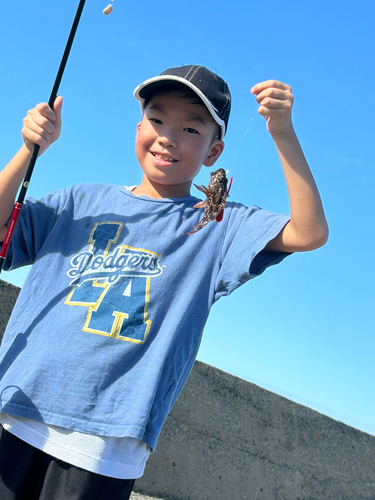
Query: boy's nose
[{"x": 167, "y": 140}]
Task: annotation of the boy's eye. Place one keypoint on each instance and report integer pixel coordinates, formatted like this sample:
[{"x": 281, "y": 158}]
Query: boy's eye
[
  {"x": 155, "y": 120},
  {"x": 191, "y": 130}
]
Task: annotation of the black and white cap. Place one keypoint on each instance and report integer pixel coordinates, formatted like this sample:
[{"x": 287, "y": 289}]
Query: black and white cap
[{"x": 211, "y": 89}]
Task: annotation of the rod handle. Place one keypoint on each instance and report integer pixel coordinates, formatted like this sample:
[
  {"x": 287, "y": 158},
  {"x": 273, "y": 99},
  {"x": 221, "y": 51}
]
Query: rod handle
[{"x": 8, "y": 236}]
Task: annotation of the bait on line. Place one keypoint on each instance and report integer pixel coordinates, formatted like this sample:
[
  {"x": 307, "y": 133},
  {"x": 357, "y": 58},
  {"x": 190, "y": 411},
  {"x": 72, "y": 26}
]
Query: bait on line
[{"x": 108, "y": 9}]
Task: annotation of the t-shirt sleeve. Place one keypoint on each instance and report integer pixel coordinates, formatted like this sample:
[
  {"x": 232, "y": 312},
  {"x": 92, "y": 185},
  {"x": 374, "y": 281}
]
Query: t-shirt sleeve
[
  {"x": 242, "y": 254},
  {"x": 36, "y": 221}
]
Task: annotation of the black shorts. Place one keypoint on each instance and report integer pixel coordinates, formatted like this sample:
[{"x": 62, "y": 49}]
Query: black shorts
[{"x": 27, "y": 473}]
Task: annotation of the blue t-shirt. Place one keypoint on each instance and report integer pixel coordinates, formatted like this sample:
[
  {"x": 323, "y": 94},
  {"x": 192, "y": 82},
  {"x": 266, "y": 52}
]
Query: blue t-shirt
[{"x": 108, "y": 324}]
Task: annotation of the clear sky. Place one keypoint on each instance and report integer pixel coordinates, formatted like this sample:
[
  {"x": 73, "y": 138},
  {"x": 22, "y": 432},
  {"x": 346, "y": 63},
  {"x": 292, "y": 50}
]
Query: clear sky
[{"x": 304, "y": 329}]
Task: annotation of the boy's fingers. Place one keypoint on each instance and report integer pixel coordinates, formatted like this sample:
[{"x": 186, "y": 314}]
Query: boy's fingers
[
  {"x": 45, "y": 111},
  {"x": 42, "y": 125},
  {"x": 57, "y": 110},
  {"x": 43, "y": 117},
  {"x": 58, "y": 102},
  {"x": 269, "y": 102},
  {"x": 259, "y": 87},
  {"x": 276, "y": 94},
  {"x": 276, "y": 116},
  {"x": 51, "y": 114},
  {"x": 38, "y": 124},
  {"x": 35, "y": 134},
  {"x": 270, "y": 112},
  {"x": 32, "y": 138},
  {"x": 275, "y": 101}
]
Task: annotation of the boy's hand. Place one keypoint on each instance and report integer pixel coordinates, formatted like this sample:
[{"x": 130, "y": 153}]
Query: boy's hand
[
  {"x": 275, "y": 101},
  {"x": 42, "y": 125}
]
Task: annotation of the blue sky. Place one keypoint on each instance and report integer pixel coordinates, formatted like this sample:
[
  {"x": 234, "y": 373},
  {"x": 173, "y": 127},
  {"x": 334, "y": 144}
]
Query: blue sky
[{"x": 304, "y": 329}]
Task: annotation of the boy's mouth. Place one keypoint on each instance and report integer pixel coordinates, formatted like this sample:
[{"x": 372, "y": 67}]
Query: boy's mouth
[{"x": 163, "y": 157}]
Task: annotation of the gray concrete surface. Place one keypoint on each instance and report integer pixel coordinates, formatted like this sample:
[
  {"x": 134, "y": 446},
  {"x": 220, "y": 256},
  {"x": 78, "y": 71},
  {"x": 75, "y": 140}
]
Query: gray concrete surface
[
  {"x": 228, "y": 439},
  {"x": 139, "y": 496},
  {"x": 8, "y": 297}
]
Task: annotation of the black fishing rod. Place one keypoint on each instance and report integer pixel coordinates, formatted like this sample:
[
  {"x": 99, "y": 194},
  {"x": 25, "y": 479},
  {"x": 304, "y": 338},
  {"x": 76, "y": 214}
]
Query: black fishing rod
[{"x": 34, "y": 156}]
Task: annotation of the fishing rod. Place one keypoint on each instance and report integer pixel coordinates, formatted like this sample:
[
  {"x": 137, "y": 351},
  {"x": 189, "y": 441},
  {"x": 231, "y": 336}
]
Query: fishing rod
[{"x": 34, "y": 156}]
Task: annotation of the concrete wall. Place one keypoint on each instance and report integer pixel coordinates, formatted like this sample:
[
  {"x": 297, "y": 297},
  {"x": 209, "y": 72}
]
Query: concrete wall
[
  {"x": 227, "y": 439},
  {"x": 8, "y": 297}
]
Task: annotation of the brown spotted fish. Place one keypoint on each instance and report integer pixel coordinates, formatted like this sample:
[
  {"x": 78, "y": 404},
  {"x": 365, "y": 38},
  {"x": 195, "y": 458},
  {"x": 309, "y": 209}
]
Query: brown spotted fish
[{"x": 216, "y": 193}]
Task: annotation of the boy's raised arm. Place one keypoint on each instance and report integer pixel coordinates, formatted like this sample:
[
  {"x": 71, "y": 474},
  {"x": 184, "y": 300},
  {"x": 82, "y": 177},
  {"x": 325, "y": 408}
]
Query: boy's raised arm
[
  {"x": 307, "y": 228},
  {"x": 41, "y": 126}
]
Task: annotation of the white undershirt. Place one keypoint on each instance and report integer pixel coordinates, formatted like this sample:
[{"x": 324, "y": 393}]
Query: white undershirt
[{"x": 121, "y": 458}]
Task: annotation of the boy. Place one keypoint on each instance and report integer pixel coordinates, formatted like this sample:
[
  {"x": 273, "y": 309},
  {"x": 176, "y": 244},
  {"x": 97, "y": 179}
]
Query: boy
[{"x": 108, "y": 325}]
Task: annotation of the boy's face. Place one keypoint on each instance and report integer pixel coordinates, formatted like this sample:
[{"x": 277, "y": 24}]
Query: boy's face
[{"x": 174, "y": 139}]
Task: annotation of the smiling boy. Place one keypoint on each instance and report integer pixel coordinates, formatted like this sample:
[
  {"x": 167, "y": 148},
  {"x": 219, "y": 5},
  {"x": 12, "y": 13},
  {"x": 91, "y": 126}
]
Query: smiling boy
[
  {"x": 109, "y": 322},
  {"x": 177, "y": 135}
]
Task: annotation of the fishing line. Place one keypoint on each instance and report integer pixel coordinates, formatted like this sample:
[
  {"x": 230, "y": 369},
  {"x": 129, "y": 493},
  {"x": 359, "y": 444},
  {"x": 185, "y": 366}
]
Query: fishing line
[
  {"x": 25, "y": 184},
  {"x": 236, "y": 155}
]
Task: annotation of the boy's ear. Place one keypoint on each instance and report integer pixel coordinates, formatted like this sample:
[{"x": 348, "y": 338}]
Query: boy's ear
[
  {"x": 138, "y": 126},
  {"x": 216, "y": 149}
]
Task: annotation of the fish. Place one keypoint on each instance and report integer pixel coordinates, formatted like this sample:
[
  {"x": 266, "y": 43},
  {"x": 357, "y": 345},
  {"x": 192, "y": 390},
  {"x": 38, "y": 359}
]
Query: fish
[{"x": 216, "y": 193}]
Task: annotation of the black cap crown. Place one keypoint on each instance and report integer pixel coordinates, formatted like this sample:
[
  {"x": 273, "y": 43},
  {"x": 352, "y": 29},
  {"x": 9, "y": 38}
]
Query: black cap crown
[{"x": 212, "y": 89}]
